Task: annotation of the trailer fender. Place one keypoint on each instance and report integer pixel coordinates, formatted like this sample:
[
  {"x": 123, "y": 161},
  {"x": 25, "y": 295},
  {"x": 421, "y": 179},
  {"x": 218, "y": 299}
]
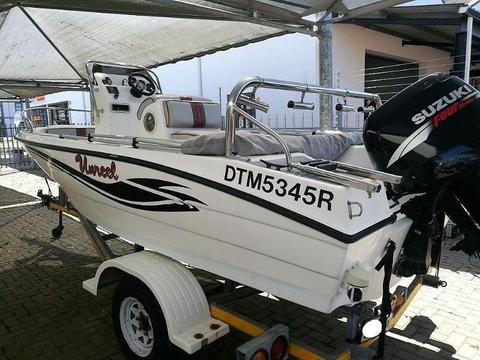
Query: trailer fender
[{"x": 177, "y": 291}]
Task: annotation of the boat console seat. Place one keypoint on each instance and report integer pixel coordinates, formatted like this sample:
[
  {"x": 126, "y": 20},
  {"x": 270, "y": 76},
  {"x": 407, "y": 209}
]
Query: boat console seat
[
  {"x": 192, "y": 114},
  {"x": 166, "y": 116}
]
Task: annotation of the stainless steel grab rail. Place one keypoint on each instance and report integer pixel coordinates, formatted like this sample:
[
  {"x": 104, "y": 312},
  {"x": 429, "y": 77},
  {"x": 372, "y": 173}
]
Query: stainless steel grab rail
[
  {"x": 135, "y": 140},
  {"x": 283, "y": 144},
  {"x": 29, "y": 122},
  {"x": 237, "y": 97},
  {"x": 342, "y": 179},
  {"x": 369, "y": 173}
]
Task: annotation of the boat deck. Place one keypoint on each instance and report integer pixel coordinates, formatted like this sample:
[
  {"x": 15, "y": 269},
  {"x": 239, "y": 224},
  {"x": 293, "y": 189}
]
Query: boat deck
[{"x": 47, "y": 314}]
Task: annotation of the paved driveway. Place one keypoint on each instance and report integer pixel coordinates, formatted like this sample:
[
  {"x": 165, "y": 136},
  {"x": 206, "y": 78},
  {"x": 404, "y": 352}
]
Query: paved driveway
[{"x": 45, "y": 313}]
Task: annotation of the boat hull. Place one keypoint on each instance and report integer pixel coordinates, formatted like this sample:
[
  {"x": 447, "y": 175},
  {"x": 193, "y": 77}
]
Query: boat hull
[{"x": 215, "y": 213}]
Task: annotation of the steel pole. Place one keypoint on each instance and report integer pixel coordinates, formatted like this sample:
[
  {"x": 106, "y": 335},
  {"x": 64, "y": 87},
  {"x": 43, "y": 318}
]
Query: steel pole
[
  {"x": 324, "y": 65},
  {"x": 468, "y": 50}
]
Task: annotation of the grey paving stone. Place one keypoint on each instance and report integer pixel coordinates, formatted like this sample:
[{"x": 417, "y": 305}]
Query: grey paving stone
[{"x": 47, "y": 315}]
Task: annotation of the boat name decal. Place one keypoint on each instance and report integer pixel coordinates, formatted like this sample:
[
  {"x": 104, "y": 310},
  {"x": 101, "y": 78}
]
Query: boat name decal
[
  {"x": 106, "y": 172},
  {"x": 309, "y": 195}
]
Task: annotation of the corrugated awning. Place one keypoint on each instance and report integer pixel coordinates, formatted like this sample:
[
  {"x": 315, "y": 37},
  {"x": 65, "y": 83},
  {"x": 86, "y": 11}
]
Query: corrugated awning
[
  {"x": 288, "y": 12},
  {"x": 43, "y": 41}
]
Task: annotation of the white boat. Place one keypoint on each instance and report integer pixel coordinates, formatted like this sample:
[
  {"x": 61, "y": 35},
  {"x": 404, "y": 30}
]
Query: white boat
[{"x": 159, "y": 171}]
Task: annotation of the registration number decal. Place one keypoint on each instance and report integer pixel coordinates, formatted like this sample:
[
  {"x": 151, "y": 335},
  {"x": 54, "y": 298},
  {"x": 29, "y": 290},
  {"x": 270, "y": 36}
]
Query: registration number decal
[{"x": 309, "y": 195}]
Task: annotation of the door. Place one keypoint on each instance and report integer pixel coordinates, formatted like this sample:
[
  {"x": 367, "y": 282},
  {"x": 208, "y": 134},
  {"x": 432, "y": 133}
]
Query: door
[{"x": 387, "y": 77}]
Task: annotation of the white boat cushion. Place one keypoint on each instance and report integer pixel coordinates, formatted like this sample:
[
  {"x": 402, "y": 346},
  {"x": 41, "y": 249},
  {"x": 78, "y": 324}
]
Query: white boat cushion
[
  {"x": 324, "y": 146},
  {"x": 186, "y": 114}
]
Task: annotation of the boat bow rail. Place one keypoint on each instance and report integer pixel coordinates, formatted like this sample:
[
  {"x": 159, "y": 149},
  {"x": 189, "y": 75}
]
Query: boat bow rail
[{"x": 26, "y": 114}]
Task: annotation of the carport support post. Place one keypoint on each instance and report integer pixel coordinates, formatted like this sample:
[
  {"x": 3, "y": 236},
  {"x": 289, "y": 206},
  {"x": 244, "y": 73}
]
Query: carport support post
[
  {"x": 468, "y": 50},
  {"x": 324, "y": 66},
  {"x": 26, "y": 106}
]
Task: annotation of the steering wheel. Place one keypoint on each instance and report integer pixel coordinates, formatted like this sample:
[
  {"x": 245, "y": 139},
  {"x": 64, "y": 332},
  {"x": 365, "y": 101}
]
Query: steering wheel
[{"x": 141, "y": 85}]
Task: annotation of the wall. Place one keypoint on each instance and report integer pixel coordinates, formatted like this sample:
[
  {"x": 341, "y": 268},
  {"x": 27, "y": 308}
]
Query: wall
[
  {"x": 351, "y": 42},
  {"x": 290, "y": 57}
]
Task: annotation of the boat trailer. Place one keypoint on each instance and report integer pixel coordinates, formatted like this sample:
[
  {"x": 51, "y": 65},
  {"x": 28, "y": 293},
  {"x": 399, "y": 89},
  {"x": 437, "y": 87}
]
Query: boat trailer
[{"x": 220, "y": 295}]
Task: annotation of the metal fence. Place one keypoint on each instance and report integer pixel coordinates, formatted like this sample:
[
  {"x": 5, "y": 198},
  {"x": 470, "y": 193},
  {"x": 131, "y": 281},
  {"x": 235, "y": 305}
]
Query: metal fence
[{"x": 12, "y": 154}]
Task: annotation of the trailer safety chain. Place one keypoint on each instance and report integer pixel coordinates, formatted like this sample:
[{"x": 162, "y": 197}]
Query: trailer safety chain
[{"x": 386, "y": 308}]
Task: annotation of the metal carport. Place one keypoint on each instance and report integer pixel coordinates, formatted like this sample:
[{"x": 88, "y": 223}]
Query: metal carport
[
  {"x": 44, "y": 44},
  {"x": 454, "y": 28}
]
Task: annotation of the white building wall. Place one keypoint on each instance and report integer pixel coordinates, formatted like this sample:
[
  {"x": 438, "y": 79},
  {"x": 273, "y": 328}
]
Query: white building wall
[
  {"x": 290, "y": 57},
  {"x": 352, "y": 42}
]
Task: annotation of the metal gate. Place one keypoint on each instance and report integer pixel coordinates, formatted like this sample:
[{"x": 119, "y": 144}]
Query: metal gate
[{"x": 12, "y": 154}]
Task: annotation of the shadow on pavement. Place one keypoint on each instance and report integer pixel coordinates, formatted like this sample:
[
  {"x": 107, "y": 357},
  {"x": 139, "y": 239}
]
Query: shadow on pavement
[
  {"x": 416, "y": 340},
  {"x": 47, "y": 315},
  {"x": 12, "y": 197}
]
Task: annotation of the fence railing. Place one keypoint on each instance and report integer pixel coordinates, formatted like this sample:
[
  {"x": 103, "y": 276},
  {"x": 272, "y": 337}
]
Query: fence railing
[{"x": 12, "y": 154}]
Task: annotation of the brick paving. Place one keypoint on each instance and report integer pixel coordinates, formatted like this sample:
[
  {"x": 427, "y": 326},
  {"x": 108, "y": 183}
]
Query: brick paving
[{"x": 45, "y": 313}]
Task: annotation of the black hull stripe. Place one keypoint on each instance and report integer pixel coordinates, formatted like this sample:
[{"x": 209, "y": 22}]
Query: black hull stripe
[
  {"x": 93, "y": 185},
  {"x": 334, "y": 233}
]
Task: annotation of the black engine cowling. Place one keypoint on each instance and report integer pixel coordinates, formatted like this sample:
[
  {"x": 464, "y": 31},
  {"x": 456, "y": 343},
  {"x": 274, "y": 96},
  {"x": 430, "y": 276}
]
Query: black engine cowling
[{"x": 429, "y": 133}]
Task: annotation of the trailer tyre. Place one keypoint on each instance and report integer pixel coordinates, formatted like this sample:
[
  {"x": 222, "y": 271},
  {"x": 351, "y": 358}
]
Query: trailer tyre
[{"x": 139, "y": 322}]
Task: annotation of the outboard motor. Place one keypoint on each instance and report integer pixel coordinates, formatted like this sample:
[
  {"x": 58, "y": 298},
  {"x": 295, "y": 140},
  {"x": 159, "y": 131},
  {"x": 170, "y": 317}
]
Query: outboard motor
[{"x": 430, "y": 134}]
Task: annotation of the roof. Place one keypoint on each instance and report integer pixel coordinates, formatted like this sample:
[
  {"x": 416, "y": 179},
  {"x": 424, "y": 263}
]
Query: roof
[
  {"x": 50, "y": 40},
  {"x": 432, "y": 25}
]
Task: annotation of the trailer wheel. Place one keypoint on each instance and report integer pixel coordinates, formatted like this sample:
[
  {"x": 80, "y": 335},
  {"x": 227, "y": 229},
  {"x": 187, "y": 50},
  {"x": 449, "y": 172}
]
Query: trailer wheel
[{"x": 139, "y": 322}]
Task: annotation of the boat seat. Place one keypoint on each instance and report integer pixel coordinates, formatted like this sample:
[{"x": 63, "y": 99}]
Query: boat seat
[
  {"x": 328, "y": 146},
  {"x": 187, "y": 114},
  {"x": 182, "y": 116}
]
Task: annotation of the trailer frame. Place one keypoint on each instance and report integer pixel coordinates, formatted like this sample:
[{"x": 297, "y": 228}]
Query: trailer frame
[{"x": 355, "y": 346}]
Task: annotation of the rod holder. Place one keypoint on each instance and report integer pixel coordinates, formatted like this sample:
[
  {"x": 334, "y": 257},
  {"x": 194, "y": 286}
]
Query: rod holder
[
  {"x": 344, "y": 107},
  {"x": 365, "y": 110},
  {"x": 253, "y": 103},
  {"x": 300, "y": 105}
]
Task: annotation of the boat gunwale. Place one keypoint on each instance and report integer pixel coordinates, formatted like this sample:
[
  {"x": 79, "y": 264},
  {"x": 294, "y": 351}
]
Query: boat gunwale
[{"x": 295, "y": 216}]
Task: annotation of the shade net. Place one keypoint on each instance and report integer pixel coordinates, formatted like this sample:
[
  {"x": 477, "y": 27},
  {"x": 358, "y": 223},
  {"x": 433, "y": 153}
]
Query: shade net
[{"x": 52, "y": 40}]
